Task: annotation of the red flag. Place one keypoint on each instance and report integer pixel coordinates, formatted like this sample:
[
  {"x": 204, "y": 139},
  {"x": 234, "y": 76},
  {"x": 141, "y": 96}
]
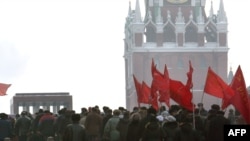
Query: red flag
[
  {"x": 157, "y": 79},
  {"x": 189, "y": 83},
  {"x": 181, "y": 94},
  {"x": 215, "y": 86},
  {"x": 160, "y": 85},
  {"x": 138, "y": 88},
  {"x": 145, "y": 93},
  {"x": 154, "y": 102},
  {"x": 164, "y": 89},
  {"x": 240, "y": 100},
  {"x": 4, "y": 88}
]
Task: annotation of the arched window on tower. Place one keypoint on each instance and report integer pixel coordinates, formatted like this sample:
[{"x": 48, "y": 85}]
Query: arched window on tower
[
  {"x": 191, "y": 34},
  {"x": 150, "y": 34},
  {"x": 169, "y": 34},
  {"x": 210, "y": 33}
]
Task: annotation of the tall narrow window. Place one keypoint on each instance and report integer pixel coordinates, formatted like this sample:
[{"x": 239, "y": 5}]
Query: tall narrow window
[
  {"x": 150, "y": 34},
  {"x": 191, "y": 34},
  {"x": 169, "y": 34}
]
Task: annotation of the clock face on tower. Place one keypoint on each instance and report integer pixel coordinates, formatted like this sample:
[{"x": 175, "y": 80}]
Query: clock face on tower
[{"x": 177, "y": 1}]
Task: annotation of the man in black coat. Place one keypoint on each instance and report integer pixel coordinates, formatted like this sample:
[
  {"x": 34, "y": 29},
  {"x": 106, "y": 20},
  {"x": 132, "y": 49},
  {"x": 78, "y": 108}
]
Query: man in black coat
[
  {"x": 22, "y": 126},
  {"x": 215, "y": 128},
  {"x": 75, "y": 131}
]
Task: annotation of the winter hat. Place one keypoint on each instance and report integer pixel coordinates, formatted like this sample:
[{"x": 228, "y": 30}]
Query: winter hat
[
  {"x": 165, "y": 113},
  {"x": 170, "y": 118},
  {"x": 160, "y": 118}
]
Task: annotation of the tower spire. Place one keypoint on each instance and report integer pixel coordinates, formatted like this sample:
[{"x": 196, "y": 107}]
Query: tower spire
[
  {"x": 159, "y": 17},
  {"x": 222, "y": 18},
  {"x": 137, "y": 12},
  {"x": 179, "y": 18},
  {"x": 129, "y": 8},
  {"x": 211, "y": 13},
  {"x": 200, "y": 16}
]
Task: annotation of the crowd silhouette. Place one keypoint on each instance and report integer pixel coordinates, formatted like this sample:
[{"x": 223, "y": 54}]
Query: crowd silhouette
[{"x": 105, "y": 124}]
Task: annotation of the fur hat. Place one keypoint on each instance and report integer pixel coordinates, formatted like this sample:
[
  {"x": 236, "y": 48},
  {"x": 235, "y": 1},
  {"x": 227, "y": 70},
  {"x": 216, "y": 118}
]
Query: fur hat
[
  {"x": 116, "y": 112},
  {"x": 151, "y": 110},
  {"x": 75, "y": 117},
  {"x": 215, "y": 107}
]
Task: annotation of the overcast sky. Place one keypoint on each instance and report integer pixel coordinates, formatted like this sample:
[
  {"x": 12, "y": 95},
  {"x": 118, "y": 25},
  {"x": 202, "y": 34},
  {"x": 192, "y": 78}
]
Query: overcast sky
[{"x": 76, "y": 46}]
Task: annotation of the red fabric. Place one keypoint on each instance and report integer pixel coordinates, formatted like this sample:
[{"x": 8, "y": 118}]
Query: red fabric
[
  {"x": 160, "y": 84},
  {"x": 157, "y": 82},
  {"x": 189, "y": 83},
  {"x": 228, "y": 93},
  {"x": 153, "y": 88},
  {"x": 4, "y": 88},
  {"x": 165, "y": 91},
  {"x": 145, "y": 93},
  {"x": 138, "y": 86},
  {"x": 157, "y": 79},
  {"x": 154, "y": 103},
  {"x": 240, "y": 100},
  {"x": 181, "y": 94},
  {"x": 215, "y": 86},
  {"x": 154, "y": 98}
]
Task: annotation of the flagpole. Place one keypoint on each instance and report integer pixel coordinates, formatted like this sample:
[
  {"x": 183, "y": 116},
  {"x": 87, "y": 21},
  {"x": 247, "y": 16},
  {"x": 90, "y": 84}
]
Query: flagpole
[
  {"x": 201, "y": 102},
  {"x": 202, "y": 97},
  {"x": 193, "y": 109}
]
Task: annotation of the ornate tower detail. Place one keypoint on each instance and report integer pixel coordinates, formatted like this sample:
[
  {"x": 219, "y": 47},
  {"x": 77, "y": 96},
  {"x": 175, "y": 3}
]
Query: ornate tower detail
[
  {"x": 222, "y": 25},
  {"x": 138, "y": 27},
  {"x": 172, "y": 33},
  {"x": 180, "y": 27},
  {"x": 201, "y": 28}
]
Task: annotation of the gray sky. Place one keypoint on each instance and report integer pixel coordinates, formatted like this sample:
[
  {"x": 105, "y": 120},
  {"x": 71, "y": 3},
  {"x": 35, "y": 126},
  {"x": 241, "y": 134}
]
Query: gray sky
[{"x": 77, "y": 46}]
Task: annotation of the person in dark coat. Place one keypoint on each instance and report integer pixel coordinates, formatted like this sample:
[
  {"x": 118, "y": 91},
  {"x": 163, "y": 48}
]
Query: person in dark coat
[
  {"x": 133, "y": 127},
  {"x": 62, "y": 122},
  {"x": 110, "y": 132},
  {"x": 108, "y": 114},
  {"x": 46, "y": 125},
  {"x": 5, "y": 127},
  {"x": 22, "y": 127},
  {"x": 202, "y": 111},
  {"x": 170, "y": 127},
  {"x": 122, "y": 126},
  {"x": 199, "y": 126},
  {"x": 186, "y": 132},
  {"x": 93, "y": 124},
  {"x": 150, "y": 111},
  {"x": 153, "y": 130},
  {"x": 75, "y": 131},
  {"x": 210, "y": 116},
  {"x": 176, "y": 111},
  {"x": 231, "y": 116},
  {"x": 216, "y": 127},
  {"x": 35, "y": 122}
]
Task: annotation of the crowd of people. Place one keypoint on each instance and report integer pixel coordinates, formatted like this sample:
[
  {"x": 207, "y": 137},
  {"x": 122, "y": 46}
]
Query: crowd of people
[{"x": 106, "y": 124}]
